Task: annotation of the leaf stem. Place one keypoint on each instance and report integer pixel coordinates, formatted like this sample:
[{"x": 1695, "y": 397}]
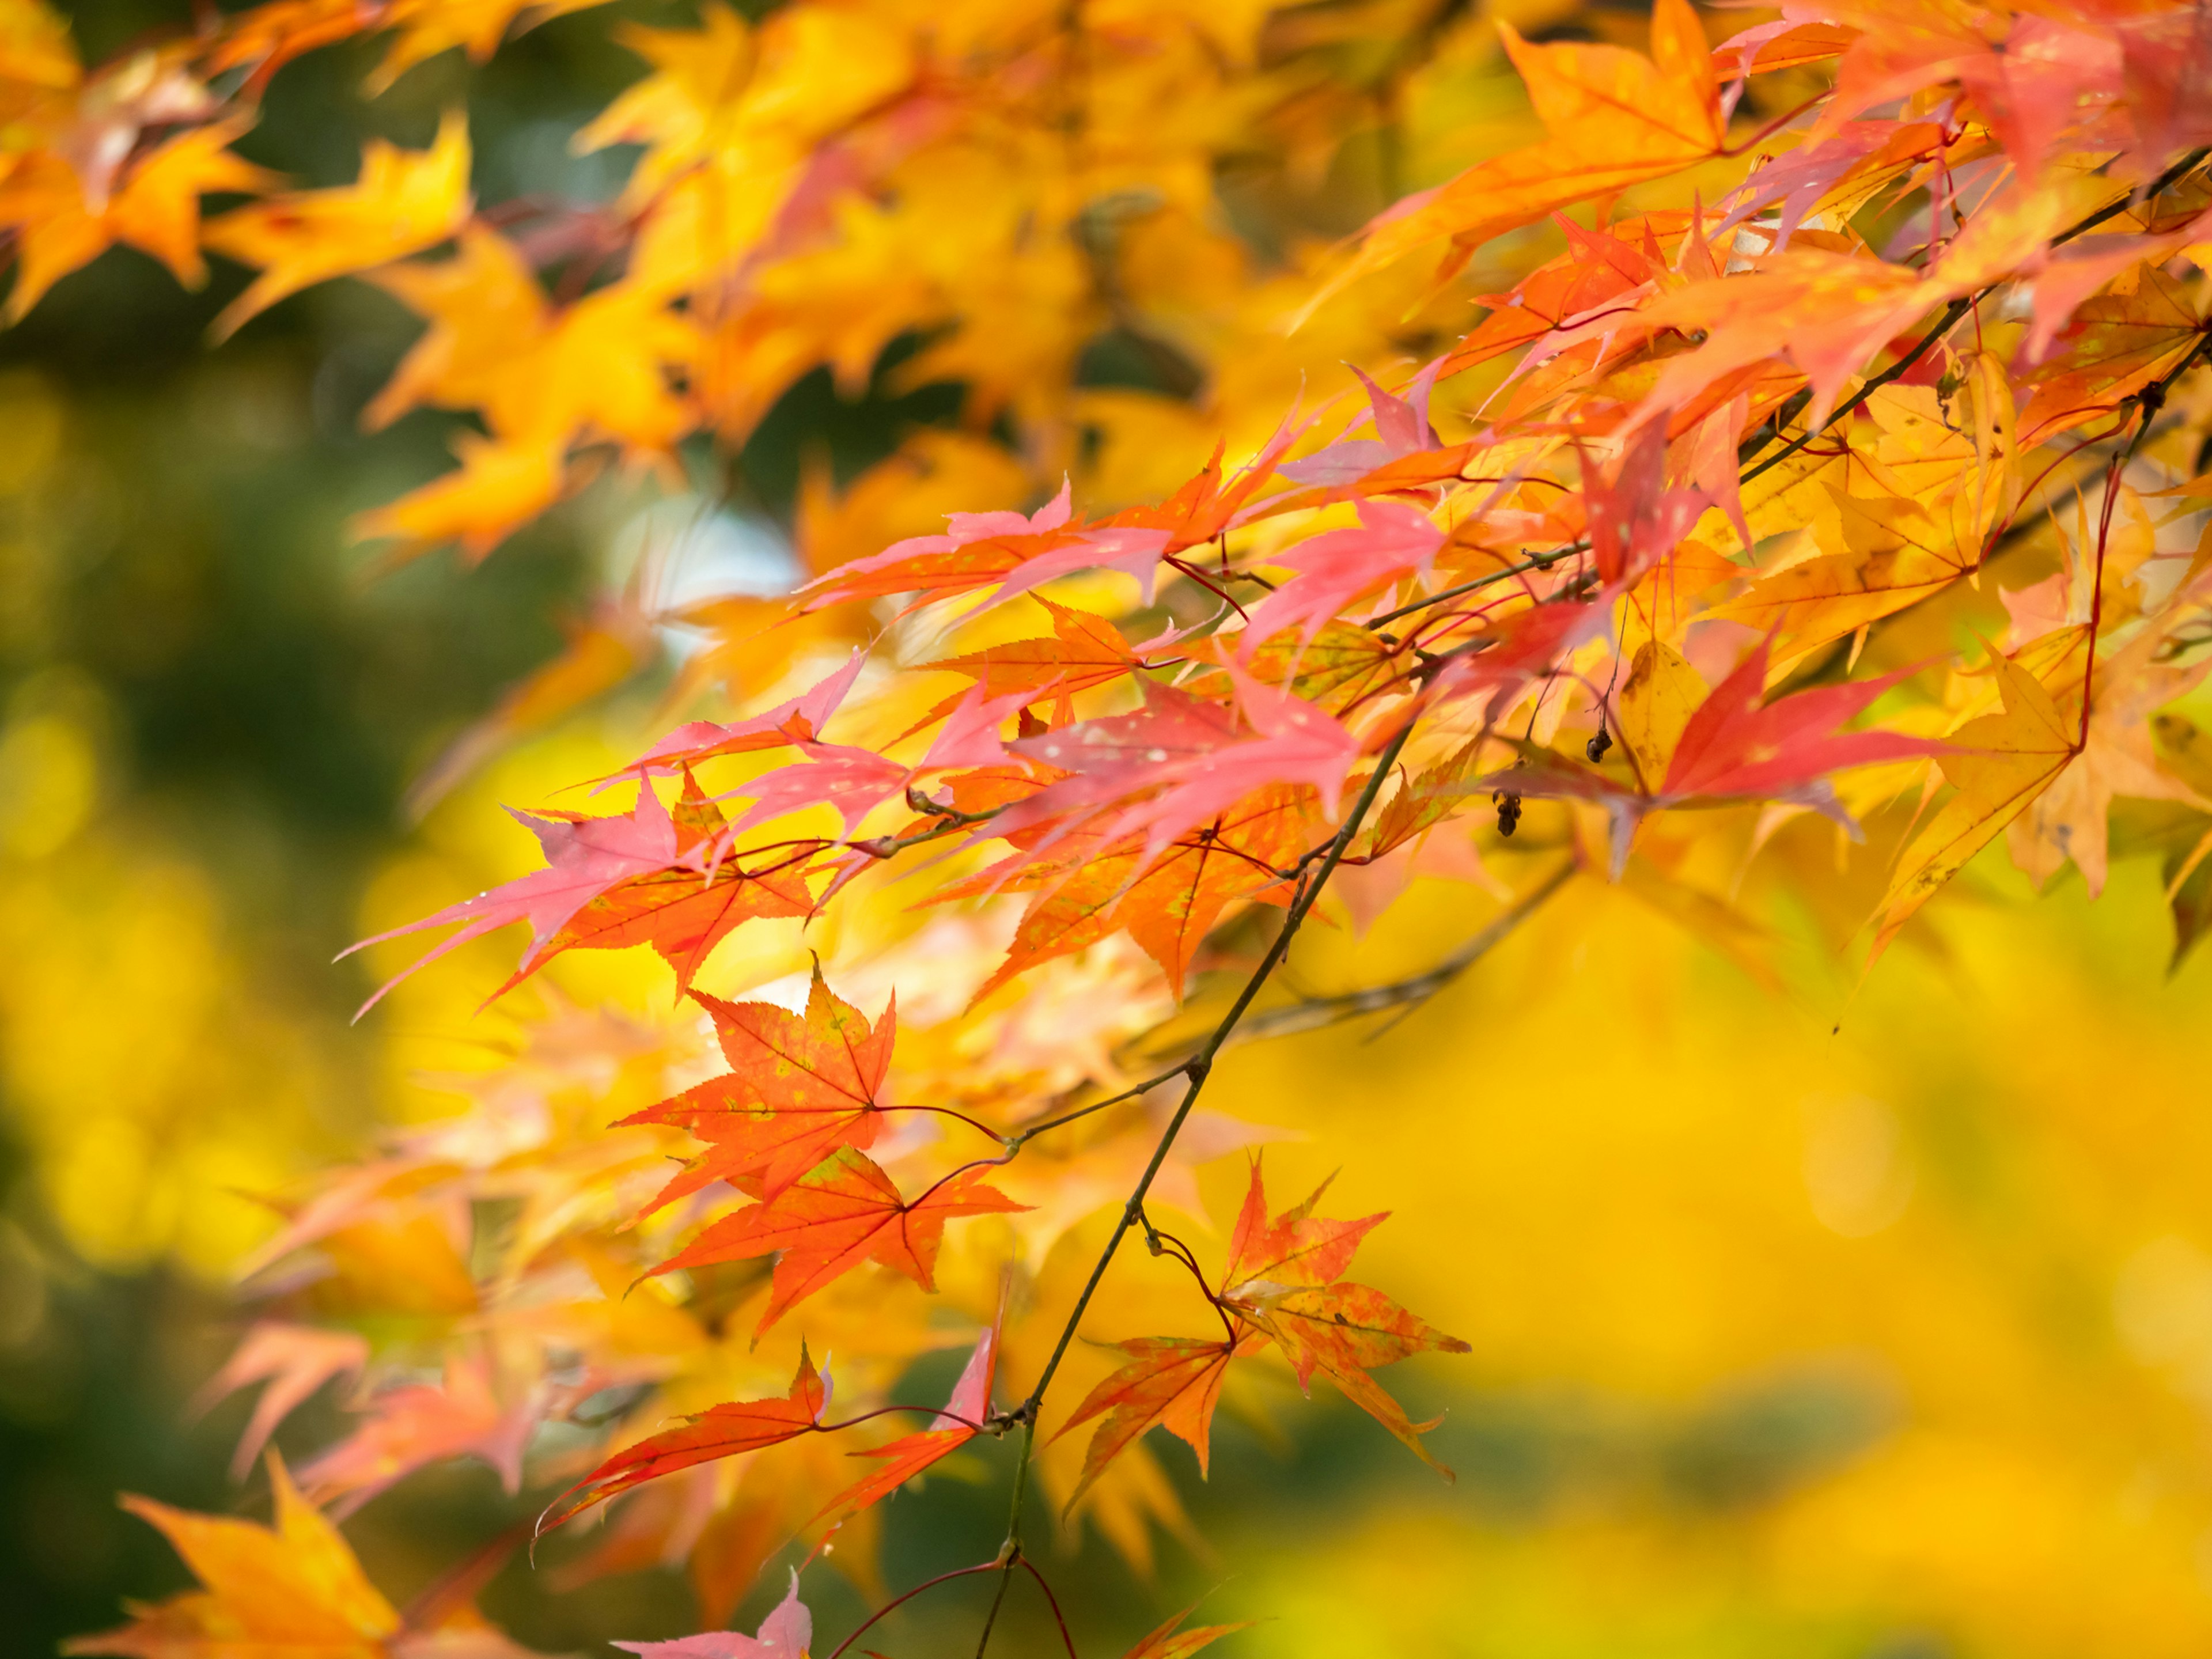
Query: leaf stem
[{"x": 861, "y": 1629}]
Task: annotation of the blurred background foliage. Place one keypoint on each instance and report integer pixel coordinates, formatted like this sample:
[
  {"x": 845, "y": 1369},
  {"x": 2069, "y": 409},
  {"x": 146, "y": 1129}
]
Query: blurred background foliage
[{"x": 1872, "y": 1321}]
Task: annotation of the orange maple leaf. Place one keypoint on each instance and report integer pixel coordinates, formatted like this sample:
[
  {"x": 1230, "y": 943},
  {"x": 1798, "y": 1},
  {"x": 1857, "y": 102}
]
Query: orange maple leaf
[
  {"x": 654, "y": 876},
  {"x": 725, "y": 1430},
  {"x": 1096, "y": 886},
  {"x": 961, "y": 1421},
  {"x": 1285, "y": 1276},
  {"x": 1615, "y": 117},
  {"x": 799, "y": 1087},
  {"x": 1174, "y": 1382},
  {"x": 841, "y": 1213},
  {"x": 1168, "y": 1642}
]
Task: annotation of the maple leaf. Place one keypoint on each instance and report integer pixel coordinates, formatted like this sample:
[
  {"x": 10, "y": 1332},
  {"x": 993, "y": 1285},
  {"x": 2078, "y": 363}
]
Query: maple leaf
[
  {"x": 2116, "y": 343},
  {"x": 1295, "y": 1248},
  {"x": 976, "y": 550},
  {"x": 1401, "y": 429},
  {"x": 403, "y": 202},
  {"x": 500, "y": 483},
  {"x": 961, "y": 1421},
  {"x": 1086, "y": 652},
  {"x": 800, "y": 719},
  {"x": 783, "y": 1634},
  {"x": 155, "y": 210},
  {"x": 1181, "y": 761},
  {"x": 1204, "y": 506},
  {"x": 293, "y": 1360},
  {"x": 1335, "y": 667},
  {"x": 1170, "y": 1642},
  {"x": 842, "y": 1213},
  {"x": 718, "y": 1432},
  {"x": 1091, "y": 888},
  {"x": 1392, "y": 541},
  {"x": 294, "y": 1588},
  {"x": 1734, "y": 744},
  {"x": 1615, "y": 117},
  {"x": 1171, "y": 1381},
  {"x": 1999, "y": 763},
  {"x": 799, "y": 1087},
  {"x": 420, "y": 1424},
  {"x": 2068, "y": 820},
  {"x": 652, "y": 876},
  {"x": 1286, "y": 1275}
]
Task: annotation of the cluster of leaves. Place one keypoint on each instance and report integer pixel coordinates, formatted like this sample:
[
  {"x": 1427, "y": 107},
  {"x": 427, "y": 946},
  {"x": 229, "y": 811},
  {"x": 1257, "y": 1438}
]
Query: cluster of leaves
[{"x": 1941, "y": 319}]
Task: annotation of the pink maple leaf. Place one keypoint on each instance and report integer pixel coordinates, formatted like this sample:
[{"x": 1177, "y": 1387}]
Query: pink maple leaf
[
  {"x": 1401, "y": 429},
  {"x": 784, "y": 1634},
  {"x": 584, "y": 858},
  {"x": 1391, "y": 541}
]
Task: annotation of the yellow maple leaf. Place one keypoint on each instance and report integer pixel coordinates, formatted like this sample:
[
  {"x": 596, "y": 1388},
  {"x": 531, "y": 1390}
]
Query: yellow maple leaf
[
  {"x": 2000, "y": 762},
  {"x": 403, "y": 202},
  {"x": 498, "y": 485},
  {"x": 431, "y": 26},
  {"x": 294, "y": 1588}
]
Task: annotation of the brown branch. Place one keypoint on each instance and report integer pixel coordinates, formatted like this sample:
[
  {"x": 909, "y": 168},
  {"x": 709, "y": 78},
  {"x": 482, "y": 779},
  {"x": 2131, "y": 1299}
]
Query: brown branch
[{"x": 1315, "y": 1012}]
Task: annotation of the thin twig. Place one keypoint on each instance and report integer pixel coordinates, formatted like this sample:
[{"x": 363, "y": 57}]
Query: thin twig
[
  {"x": 1534, "y": 562},
  {"x": 838, "y": 1651},
  {"x": 1051, "y": 1601},
  {"x": 1318, "y": 1011},
  {"x": 1081, "y": 1112}
]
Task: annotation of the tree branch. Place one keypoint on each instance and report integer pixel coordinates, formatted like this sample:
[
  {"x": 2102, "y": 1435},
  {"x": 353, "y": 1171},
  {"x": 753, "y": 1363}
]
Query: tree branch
[{"x": 1317, "y": 1012}]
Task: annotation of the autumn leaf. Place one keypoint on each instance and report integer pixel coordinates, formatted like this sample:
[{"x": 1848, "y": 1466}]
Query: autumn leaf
[
  {"x": 783, "y": 1634},
  {"x": 294, "y": 1588},
  {"x": 294, "y": 1361},
  {"x": 1172, "y": 1381},
  {"x": 1286, "y": 1276},
  {"x": 1167, "y": 903},
  {"x": 799, "y": 1087},
  {"x": 155, "y": 210},
  {"x": 1295, "y": 1248},
  {"x": 718, "y": 1432},
  {"x": 1998, "y": 762},
  {"x": 1086, "y": 652},
  {"x": 652, "y": 877},
  {"x": 403, "y": 202},
  {"x": 1169, "y": 1641},
  {"x": 1614, "y": 118},
  {"x": 1161, "y": 773},
  {"x": 841, "y": 1213},
  {"x": 2116, "y": 343},
  {"x": 961, "y": 1421},
  {"x": 419, "y": 1424}
]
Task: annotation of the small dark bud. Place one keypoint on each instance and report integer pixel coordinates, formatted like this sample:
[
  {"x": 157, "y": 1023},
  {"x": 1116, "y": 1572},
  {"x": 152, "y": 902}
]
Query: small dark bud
[
  {"x": 1509, "y": 812},
  {"x": 1596, "y": 746}
]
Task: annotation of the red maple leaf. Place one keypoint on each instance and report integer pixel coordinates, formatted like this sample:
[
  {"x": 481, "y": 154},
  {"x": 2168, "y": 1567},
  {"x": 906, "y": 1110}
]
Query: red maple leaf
[
  {"x": 742, "y": 1425},
  {"x": 844, "y": 1211},
  {"x": 962, "y": 1419}
]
